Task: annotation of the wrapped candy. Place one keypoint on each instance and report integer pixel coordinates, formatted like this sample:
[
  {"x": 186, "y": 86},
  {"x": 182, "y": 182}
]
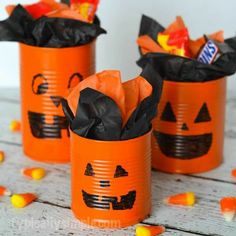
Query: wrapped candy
[{"x": 175, "y": 39}]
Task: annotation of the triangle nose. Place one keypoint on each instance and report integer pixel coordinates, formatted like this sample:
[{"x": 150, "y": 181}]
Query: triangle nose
[
  {"x": 184, "y": 126},
  {"x": 56, "y": 100},
  {"x": 105, "y": 183}
]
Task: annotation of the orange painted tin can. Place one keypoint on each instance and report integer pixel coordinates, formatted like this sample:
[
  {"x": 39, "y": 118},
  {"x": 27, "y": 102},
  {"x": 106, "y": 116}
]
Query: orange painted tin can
[
  {"x": 111, "y": 186},
  {"x": 188, "y": 133},
  {"x": 46, "y": 76}
]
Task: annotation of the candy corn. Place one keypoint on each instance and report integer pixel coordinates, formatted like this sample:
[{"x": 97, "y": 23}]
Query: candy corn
[
  {"x": 228, "y": 207},
  {"x": 2, "y": 156},
  {"x": 184, "y": 199},
  {"x": 34, "y": 173},
  {"x": 23, "y": 199},
  {"x": 15, "y": 126},
  {"x": 149, "y": 230},
  {"x": 4, "y": 191},
  {"x": 233, "y": 173}
]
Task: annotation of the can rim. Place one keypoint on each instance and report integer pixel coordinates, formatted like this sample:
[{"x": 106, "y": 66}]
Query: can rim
[
  {"x": 170, "y": 82},
  {"x": 137, "y": 139},
  {"x": 53, "y": 49}
]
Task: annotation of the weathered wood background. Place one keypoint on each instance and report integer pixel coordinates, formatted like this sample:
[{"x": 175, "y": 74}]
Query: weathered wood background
[{"x": 51, "y": 214}]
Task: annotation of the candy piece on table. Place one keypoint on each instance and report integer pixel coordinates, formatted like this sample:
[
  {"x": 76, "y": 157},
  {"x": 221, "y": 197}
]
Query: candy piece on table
[
  {"x": 233, "y": 173},
  {"x": 4, "y": 191},
  {"x": 2, "y": 156},
  {"x": 208, "y": 52},
  {"x": 228, "y": 207},
  {"x": 35, "y": 173},
  {"x": 15, "y": 126},
  {"x": 183, "y": 199},
  {"x": 149, "y": 230},
  {"x": 23, "y": 199}
]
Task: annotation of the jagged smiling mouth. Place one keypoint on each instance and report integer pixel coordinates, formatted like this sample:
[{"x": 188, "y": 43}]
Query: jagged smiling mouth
[
  {"x": 40, "y": 129},
  {"x": 184, "y": 147},
  {"x": 108, "y": 202}
]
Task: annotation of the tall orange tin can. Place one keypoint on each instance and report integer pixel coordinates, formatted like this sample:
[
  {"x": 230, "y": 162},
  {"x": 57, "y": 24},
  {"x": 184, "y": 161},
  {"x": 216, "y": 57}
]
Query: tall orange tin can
[
  {"x": 46, "y": 76},
  {"x": 111, "y": 186},
  {"x": 188, "y": 134}
]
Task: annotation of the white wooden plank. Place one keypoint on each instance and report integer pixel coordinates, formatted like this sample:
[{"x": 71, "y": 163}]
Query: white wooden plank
[{"x": 203, "y": 218}]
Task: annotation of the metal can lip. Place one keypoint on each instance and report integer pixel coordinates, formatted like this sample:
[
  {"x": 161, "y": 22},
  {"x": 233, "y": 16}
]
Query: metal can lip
[
  {"x": 116, "y": 142},
  {"x": 53, "y": 49},
  {"x": 192, "y": 82}
]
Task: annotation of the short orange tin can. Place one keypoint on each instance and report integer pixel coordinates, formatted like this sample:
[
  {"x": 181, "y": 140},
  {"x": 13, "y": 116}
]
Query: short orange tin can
[
  {"x": 188, "y": 134},
  {"x": 111, "y": 186}
]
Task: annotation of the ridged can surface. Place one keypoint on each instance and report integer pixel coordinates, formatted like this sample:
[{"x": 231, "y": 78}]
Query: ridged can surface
[
  {"x": 47, "y": 74},
  {"x": 188, "y": 133},
  {"x": 111, "y": 186}
]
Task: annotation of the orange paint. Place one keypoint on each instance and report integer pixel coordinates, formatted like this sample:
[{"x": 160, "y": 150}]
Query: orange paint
[
  {"x": 111, "y": 181},
  {"x": 228, "y": 207},
  {"x": 149, "y": 230},
  {"x": 183, "y": 199},
  {"x": 188, "y": 132},
  {"x": 47, "y": 75}
]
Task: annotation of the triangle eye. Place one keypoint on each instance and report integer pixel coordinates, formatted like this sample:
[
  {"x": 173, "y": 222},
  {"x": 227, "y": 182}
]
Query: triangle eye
[
  {"x": 89, "y": 170},
  {"x": 120, "y": 172},
  {"x": 168, "y": 113},
  {"x": 203, "y": 115}
]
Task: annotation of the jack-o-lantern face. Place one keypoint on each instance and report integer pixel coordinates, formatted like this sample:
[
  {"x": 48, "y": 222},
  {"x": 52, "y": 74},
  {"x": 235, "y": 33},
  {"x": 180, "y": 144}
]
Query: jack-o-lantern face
[
  {"x": 122, "y": 202},
  {"x": 185, "y": 146},
  {"x": 45, "y": 125}
]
